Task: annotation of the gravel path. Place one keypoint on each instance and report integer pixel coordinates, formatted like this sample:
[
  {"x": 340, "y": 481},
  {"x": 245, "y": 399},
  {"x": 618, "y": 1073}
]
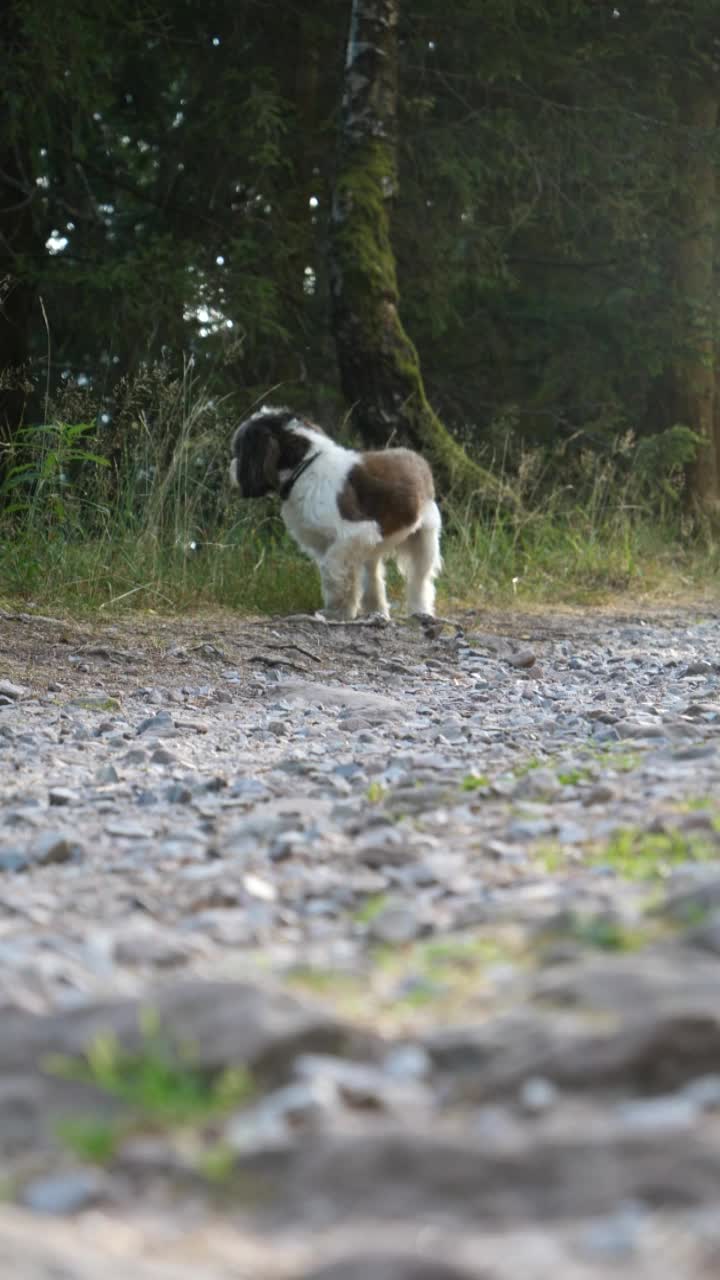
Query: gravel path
[{"x": 449, "y": 893}]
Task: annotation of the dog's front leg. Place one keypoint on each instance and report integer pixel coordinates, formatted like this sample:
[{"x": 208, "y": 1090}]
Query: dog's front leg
[
  {"x": 340, "y": 580},
  {"x": 374, "y": 598}
]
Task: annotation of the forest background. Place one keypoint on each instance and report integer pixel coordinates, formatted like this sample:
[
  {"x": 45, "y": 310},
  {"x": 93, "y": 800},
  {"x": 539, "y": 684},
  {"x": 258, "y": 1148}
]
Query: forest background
[{"x": 542, "y": 217}]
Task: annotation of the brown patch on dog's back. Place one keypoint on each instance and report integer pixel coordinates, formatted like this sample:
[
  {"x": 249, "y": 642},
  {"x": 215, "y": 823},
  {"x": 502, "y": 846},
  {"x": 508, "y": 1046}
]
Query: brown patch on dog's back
[{"x": 391, "y": 487}]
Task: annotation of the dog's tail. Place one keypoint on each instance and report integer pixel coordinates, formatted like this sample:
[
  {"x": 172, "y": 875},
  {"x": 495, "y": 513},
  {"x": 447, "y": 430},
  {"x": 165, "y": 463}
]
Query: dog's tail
[{"x": 419, "y": 561}]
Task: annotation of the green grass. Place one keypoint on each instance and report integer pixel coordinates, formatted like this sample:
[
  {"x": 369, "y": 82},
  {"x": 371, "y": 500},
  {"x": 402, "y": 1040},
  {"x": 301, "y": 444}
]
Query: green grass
[
  {"x": 247, "y": 563},
  {"x": 571, "y": 777},
  {"x": 93, "y": 1140},
  {"x": 376, "y": 793},
  {"x": 529, "y": 765},
  {"x": 607, "y": 935},
  {"x": 158, "y": 1087},
  {"x": 157, "y": 1081},
  {"x": 638, "y": 855},
  {"x": 619, "y": 761},
  {"x": 694, "y": 804},
  {"x": 160, "y": 529},
  {"x": 371, "y": 909},
  {"x": 430, "y": 978},
  {"x": 474, "y": 782}
]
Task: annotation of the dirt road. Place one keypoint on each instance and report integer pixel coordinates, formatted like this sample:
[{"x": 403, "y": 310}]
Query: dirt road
[{"x": 447, "y": 896}]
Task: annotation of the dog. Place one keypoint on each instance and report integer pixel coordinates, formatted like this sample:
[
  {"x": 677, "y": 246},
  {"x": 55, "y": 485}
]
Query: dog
[{"x": 346, "y": 509}]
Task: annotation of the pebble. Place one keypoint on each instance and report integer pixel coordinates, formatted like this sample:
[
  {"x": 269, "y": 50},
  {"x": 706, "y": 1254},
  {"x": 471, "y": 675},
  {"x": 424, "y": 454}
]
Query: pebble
[
  {"x": 395, "y": 926},
  {"x": 65, "y": 1193},
  {"x": 704, "y": 1092},
  {"x": 360, "y": 1084},
  {"x": 673, "y": 1113},
  {"x": 537, "y": 1095},
  {"x": 60, "y": 796},
  {"x": 55, "y": 846},
  {"x": 615, "y": 1238},
  {"x": 13, "y": 860},
  {"x": 399, "y": 835},
  {"x": 162, "y": 724},
  {"x": 275, "y": 1124},
  {"x": 13, "y": 692}
]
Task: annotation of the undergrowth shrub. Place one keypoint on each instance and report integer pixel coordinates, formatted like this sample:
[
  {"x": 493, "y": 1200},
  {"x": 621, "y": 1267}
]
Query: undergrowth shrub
[{"x": 129, "y": 506}]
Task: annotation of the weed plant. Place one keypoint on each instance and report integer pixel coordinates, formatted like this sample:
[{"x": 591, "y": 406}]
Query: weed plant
[{"x": 133, "y": 510}]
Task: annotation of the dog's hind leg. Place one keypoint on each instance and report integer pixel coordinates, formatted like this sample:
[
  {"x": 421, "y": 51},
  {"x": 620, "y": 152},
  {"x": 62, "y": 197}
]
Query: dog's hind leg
[{"x": 420, "y": 562}]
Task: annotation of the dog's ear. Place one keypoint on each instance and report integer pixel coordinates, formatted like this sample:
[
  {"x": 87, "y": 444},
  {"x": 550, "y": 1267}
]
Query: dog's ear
[{"x": 271, "y": 458}]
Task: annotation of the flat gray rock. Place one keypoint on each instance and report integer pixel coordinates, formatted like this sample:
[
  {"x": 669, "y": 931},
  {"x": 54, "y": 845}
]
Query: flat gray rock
[
  {"x": 220, "y": 1024},
  {"x": 337, "y": 695},
  {"x": 380, "y": 1266}
]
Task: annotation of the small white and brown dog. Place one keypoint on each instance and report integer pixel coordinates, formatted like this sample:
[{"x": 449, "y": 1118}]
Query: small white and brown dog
[{"x": 347, "y": 510}]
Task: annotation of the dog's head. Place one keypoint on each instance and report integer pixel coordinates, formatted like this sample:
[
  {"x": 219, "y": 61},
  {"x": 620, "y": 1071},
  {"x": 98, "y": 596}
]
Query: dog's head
[{"x": 267, "y": 448}]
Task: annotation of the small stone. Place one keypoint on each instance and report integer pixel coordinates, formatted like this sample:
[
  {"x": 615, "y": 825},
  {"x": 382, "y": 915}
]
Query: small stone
[
  {"x": 387, "y": 848},
  {"x": 360, "y": 1084},
  {"x": 256, "y": 887},
  {"x": 671, "y": 1113},
  {"x": 127, "y": 830},
  {"x": 407, "y": 1062},
  {"x": 538, "y": 784},
  {"x": 395, "y": 927},
  {"x": 55, "y": 846},
  {"x": 13, "y": 860},
  {"x": 529, "y": 828},
  {"x": 699, "y": 668},
  {"x": 523, "y": 659},
  {"x": 690, "y": 904},
  {"x": 637, "y": 729},
  {"x": 274, "y": 1124},
  {"x": 391, "y": 1266},
  {"x": 248, "y": 789},
  {"x": 65, "y": 1193},
  {"x": 107, "y": 774},
  {"x": 696, "y": 751},
  {"x": 149, "y": 949},
  {"x": 197, "y": 726},
  {"x": 707, "y": 934},
  {"x": 178, "y": 793},
  {"x": 161, "y": 755},
  {"x": 704, "y": 1092},
  {"x": 600, "y": 793},
  {"x": 13, "y": 692},
  {"x": 538, "y": 1094},
  {"x": 615, "y": 1238},
  {"x": 60, "y": 796},
  {"x": 161, "y": 724}
]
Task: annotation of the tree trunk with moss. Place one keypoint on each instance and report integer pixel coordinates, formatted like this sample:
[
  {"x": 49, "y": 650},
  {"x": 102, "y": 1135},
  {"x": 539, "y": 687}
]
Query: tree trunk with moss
[
  {"x": 18, "y": 242},
  {"x": 695, "y": 378},
  {"x": 379, "y": 366}
]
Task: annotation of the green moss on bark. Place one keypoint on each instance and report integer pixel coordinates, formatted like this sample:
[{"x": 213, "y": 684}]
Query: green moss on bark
[{"x": 379, "y": 365}]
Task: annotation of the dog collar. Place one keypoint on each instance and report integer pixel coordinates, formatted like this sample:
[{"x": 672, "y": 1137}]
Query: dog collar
[{"x": 287, "y": 486}]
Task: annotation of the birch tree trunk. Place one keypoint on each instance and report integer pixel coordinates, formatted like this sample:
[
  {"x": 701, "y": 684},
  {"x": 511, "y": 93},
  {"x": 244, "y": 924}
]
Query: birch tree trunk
[{"x": 379, "y": 366}]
